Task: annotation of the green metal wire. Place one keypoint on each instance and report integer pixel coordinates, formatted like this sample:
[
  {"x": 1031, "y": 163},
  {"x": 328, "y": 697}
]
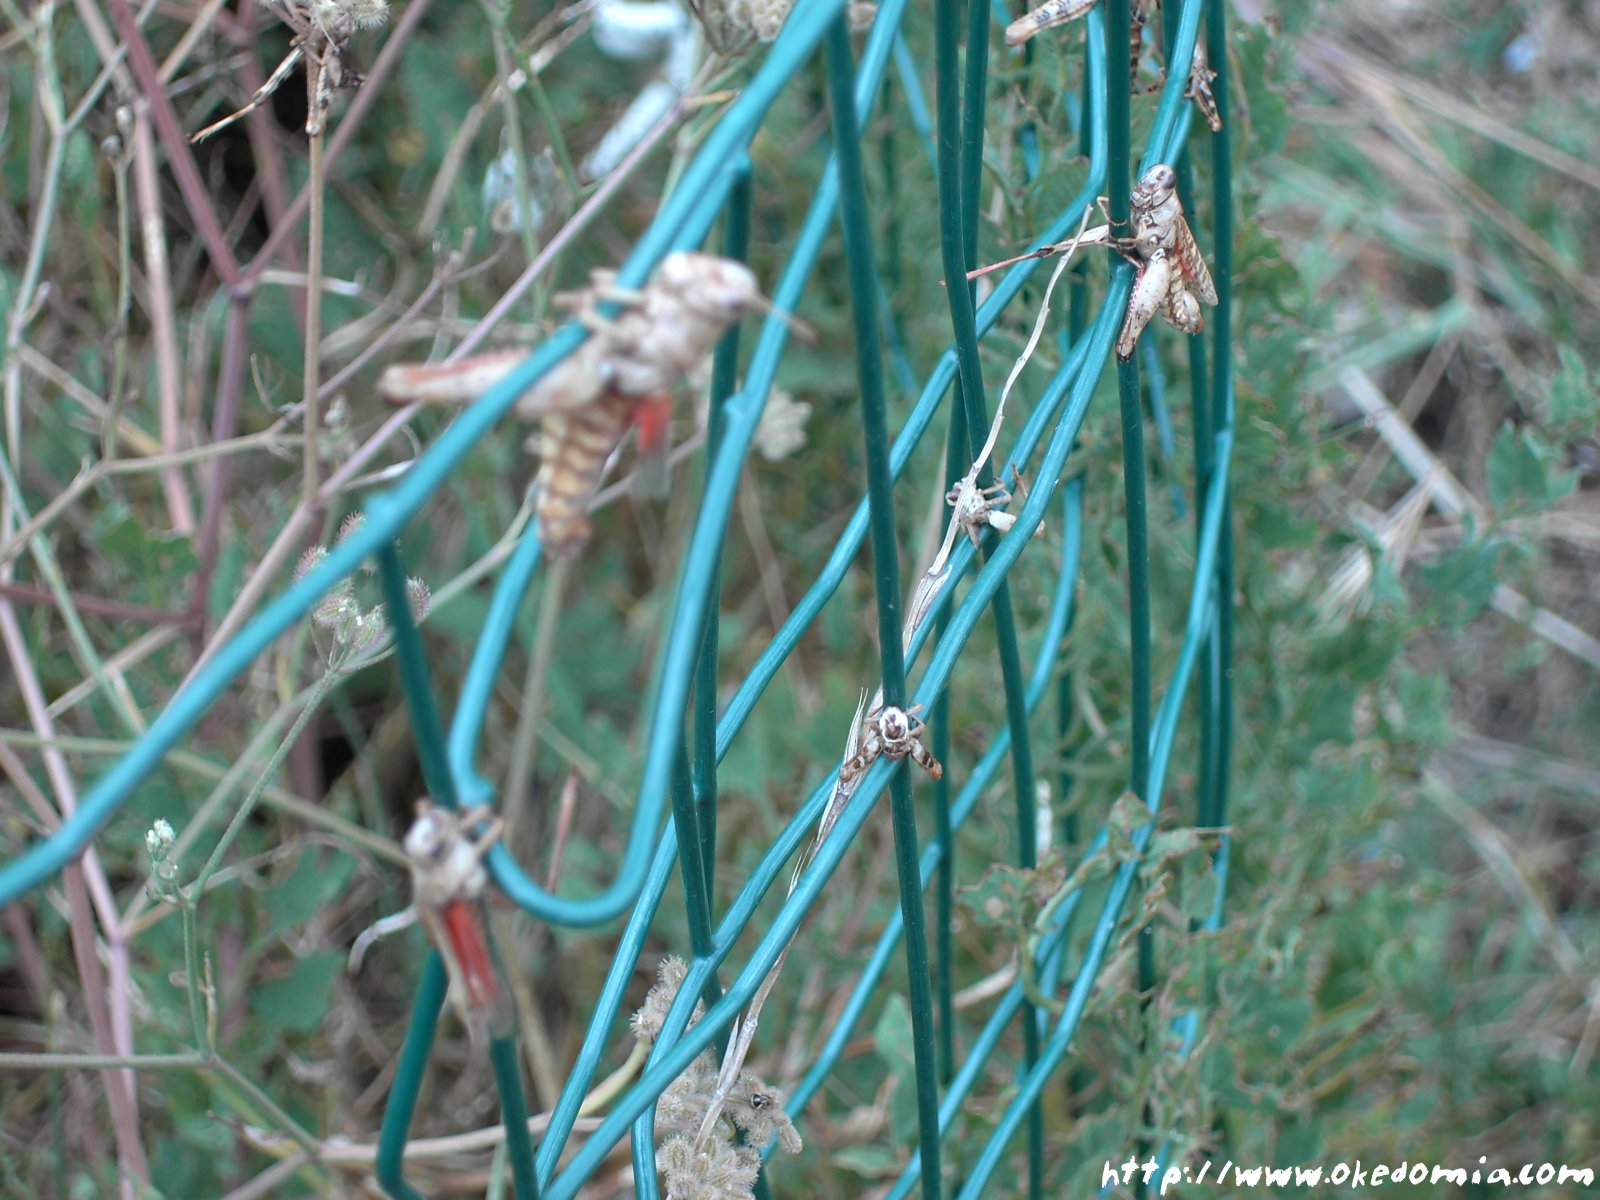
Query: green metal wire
[
  {"x": 1214, "y": 812},
  {"x": 681, "y": 755},
  {"x": 886, "y": 569},
  {"x": 503, "y": 1056},
  {"x": 413, "y": 1062},
  {"x": 958, "y": 209}
]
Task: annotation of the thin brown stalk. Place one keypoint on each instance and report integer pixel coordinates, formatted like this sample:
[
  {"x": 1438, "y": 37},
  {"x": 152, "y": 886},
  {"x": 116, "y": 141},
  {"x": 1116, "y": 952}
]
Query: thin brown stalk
[
  {"x": 162, "y": 313},
  {"x": 1403, "y": 129},
  {"x": 1348, "y": 62},
  {"x": 180, "y": 156},
  {"x": 138, "y": 441},
  {"x": 291, "y": 537},
  {"x": 87, "y": 890},
  {"x": 525, "y": 742},
  {"x": 767, "y": 568},
  {"x": 127, "y": 656},
  {"x": 96, "y": 606},
  {"x": 366, "y": 96},
  {"x": 224, "y": 420},
  {"x": 266, "y": 152},
  {"x": 450, "y": 273},
  {"x": 106, "y": 468},
  {"x": 310, "y": 398},
  {"x": 196, "y": 25}
]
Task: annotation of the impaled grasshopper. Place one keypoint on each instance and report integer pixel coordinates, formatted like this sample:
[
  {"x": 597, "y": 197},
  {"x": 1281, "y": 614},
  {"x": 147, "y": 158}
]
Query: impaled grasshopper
[
  {"x": 1200, "y": 77},
  {"x": 448, "y": 883},
  {"x": 622, "y": 377},
  {"x": 322, "y": 32},
  {"x": 1172, "y": 277},
  {"x": 1058, "y": 12}
]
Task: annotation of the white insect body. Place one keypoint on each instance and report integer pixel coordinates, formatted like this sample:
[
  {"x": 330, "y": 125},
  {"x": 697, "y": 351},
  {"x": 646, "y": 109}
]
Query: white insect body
[
  {"x": 1172, "y": 275},
  {"x": 894, "y": 733}
]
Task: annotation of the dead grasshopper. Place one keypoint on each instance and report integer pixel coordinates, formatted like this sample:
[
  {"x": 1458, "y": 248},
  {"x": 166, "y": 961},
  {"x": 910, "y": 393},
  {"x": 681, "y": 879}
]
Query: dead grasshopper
[
  {"x": 1200, "y": 77},
  {"x": 622, "y": 377},
  {"x": 1171, "y": 278},
  {"x": 1058, "y": 12},
  {"x": 448, "y": 883},
  {"x": 322, "y": 31}
]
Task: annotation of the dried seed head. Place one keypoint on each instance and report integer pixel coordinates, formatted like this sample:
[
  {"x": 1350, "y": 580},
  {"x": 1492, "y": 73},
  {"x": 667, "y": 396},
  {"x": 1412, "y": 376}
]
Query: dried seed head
[
  {"x": 682, "y": 1107},
  {"x": 720, "y": 1170},
  {"x": 158, "y": 840},
  {"x": 418, "y": 597},
  {"x": 646, "y": 1022},
  {"x": 349, "y": 526},
  {"x": 366, "y": 14},
  {"x": 338, "y": 611},
  {"x": 367, "y": 631},
  {"x": 309, "y": 561},
  {"x": 782, "y": 429}
]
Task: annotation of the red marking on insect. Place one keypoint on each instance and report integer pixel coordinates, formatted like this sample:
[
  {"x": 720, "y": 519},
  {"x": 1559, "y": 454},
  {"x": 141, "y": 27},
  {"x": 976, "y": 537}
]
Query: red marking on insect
[
  {"x": 469, "y": 942},
  {"x": 652, "y": 418}
]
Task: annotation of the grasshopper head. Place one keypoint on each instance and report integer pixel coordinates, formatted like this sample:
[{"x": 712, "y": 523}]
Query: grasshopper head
[
  {"x": 1155, "y": 185},
  {"x": 720, "y": 288},
  {"x": 431, "y": 835}
]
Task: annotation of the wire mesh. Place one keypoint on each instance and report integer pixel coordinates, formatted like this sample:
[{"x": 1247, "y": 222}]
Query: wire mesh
[{"x": 680, "y": 767}]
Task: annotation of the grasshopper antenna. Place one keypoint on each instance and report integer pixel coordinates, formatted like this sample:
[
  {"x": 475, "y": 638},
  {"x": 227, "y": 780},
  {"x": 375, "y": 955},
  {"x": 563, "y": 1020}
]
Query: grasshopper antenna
[{"x": 799, "y": 326}]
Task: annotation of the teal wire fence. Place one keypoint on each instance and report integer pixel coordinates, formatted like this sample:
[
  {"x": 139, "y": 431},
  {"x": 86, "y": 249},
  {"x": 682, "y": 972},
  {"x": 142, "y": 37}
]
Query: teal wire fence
[{"x": 687, "y": 738}]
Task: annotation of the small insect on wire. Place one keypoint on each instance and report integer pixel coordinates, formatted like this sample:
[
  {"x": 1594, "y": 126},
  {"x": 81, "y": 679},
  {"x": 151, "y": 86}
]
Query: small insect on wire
[
  {"x": 445, "y": 850},
  {"x": 892, "y": 733}
]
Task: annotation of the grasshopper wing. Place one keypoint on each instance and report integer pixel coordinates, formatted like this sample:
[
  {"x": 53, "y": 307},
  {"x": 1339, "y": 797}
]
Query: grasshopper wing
[
  {"x": 576, "y": 381},
  {"x": 457, "y": 383},
  {"x": 1193, "y": 264}
]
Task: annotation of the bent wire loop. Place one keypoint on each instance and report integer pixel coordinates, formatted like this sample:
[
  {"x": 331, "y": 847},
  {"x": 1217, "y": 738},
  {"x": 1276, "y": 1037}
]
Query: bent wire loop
[{"x": 717, "y": 179}]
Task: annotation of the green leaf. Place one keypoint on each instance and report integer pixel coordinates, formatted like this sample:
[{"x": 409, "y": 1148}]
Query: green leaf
[
  {"x": 891, "y": 1035},
  {"x": 869, "y": 1161},
  {"x": 298, "y": 1002},
  {"x": 1422, "y": 707},
  {"x": 1524, "y": 471},
  {"x": 1463, "y": 581},
  {"x": 229, "y": 576},
  {"x": 1329, "y": 711},
  {"x": 1008, "y": 897},
  {"x": 1574, "y": 395},
  {"x": 1173, "y": 843},
  {"x": 155, "y": 567},
  {"x": 315, "y": 880}
]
